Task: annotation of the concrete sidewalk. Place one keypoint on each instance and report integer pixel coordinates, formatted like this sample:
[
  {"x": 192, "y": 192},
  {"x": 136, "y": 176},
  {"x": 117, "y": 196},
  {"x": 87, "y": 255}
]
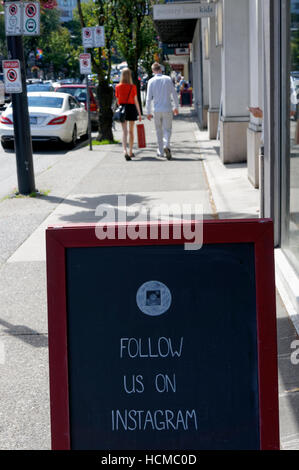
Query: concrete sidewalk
[{"x": 77, "y": 184}]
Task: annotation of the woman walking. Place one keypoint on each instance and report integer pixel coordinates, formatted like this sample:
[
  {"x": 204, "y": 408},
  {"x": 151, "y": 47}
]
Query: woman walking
[{"x": 126, "y": 93}]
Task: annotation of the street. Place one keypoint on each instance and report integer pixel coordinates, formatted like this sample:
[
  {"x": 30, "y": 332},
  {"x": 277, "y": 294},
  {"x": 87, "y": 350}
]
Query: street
[{"x": 44, "y": 156}]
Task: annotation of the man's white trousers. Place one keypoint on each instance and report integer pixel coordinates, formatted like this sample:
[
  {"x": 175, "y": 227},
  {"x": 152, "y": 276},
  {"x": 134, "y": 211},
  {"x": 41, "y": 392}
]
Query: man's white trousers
[{"x": 163, "y": 124}]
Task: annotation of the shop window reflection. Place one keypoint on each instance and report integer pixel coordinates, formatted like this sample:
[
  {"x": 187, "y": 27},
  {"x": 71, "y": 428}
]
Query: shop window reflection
[{"x": 293, "y": 229}]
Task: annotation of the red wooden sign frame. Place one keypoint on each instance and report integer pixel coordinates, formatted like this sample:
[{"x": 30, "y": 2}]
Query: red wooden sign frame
[{"x": 258, "y": 231}]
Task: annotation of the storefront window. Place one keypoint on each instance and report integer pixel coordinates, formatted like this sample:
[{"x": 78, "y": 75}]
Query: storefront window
[{"x": 290, "y": 236}]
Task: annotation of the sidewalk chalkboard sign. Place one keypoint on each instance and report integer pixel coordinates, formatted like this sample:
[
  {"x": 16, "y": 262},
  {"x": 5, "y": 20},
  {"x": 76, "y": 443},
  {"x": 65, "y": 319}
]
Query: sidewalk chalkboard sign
[
  {"x": 186, "y": 98},
  {"x": 155, "y": 347}
]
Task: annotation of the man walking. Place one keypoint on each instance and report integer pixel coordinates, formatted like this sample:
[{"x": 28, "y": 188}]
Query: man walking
[{"x": 160, "y": 89}]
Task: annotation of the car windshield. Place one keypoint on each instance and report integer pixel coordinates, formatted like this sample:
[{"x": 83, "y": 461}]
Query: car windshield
[
  {"x": 79, "y": 93},
  {"x": 45, "y": 102},
  {"x": 45, "y": 87}
]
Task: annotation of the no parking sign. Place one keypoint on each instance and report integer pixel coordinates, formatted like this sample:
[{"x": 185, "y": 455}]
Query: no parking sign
[
  {"x": 87, "y": 37},
  {"x": 12, "y": 76},
  {"x": 85, "y": 64}
]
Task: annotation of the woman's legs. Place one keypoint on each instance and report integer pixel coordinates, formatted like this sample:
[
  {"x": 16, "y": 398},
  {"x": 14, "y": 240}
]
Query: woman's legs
[
  {"x": 131, "y": 136},
  {"x": 125, "y": 136}
]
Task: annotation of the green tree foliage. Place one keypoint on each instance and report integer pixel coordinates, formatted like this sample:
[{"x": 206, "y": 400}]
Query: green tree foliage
[
  {"x": 151, "y": 48},
  {"x": 59, "y": 54},
  {"x": 295, "y": 50},
  {"x": 3, "y": 48},
  {"x": 136, "y": 35},
  {"x": 101, "y": 13},
  {"x": 132, "y": 36}
]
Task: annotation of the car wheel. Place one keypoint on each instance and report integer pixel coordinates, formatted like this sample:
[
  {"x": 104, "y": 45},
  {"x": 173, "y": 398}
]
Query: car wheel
[
  {"x": 73, "y": 142},
  {"x": 7, "y": 145}
]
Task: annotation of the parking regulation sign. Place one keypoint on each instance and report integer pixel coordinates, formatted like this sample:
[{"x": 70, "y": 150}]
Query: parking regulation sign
[
  {"x": 31, "y": 19},
  {"x": 87, "y": 37},
  {"x": 85, "y": 64},
  {"x": 12, "y": 76},
  {"x": 99, "y": 36},
  {"x": 13, "y": 18}
]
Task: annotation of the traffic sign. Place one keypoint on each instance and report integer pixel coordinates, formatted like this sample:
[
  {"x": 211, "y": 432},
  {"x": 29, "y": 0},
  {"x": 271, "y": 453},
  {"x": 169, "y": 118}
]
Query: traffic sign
[
  {"x": 93, "y": 37},
  {"x": 87, "y": 37},
  {"x": 31, "y": 19},
  {"x": 99, "y": 36},
  {"x": 85, "y": 63},
  {"x": 13, "y": 18},
  {"x": 12, "y": 76}
]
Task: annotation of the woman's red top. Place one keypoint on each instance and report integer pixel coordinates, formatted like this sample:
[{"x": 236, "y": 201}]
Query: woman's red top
[{"x": 122, "y": 92}]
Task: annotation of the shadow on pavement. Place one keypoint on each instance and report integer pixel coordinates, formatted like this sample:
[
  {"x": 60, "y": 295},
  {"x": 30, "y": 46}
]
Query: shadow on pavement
[
  {"x": 25, "y": 334},
  {"x": 52, "y": 148},
  {"x": 288, "y": 383}
]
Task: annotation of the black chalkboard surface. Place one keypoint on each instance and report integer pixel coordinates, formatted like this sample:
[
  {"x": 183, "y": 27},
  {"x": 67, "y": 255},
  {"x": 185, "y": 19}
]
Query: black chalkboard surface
[
  {"x": 186, "y": 98},
  {"x": 162, "y": 349}
]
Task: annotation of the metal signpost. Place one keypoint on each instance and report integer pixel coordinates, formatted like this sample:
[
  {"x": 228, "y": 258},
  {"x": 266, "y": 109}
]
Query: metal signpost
[
  {"x": 2, "y": 94},
  {"x": 15, "y": 83},
  {"x": 85, "y": 69},
  {"x": 91, "y": 37}
]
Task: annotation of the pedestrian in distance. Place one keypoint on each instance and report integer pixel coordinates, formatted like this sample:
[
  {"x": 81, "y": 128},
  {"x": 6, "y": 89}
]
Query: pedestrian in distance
[
  {"x": 160, "y": 89},
  {"x": 126, "y": 93}
]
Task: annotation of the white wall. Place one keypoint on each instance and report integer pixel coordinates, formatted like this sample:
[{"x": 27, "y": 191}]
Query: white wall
[
  {"x": 214, "y": 69},
  {"x": 235, "y": 58},
  {"x": 255, "y": 56}
]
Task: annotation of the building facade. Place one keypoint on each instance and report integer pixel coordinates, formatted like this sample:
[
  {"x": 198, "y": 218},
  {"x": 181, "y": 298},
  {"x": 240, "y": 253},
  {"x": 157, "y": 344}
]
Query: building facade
[
  {"x": 66, "y": 8},
  {"x": 245, "y": 53}
]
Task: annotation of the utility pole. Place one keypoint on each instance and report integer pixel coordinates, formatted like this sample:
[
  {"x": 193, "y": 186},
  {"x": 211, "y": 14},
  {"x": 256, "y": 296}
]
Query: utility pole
[
  {"x": 88, "y": 108},
  {"x": 22, "y": 135}
]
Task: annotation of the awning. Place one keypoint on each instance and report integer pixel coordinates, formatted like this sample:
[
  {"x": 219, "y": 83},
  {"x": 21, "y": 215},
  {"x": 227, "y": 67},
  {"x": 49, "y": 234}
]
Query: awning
[{"x": 171, "y": 31}]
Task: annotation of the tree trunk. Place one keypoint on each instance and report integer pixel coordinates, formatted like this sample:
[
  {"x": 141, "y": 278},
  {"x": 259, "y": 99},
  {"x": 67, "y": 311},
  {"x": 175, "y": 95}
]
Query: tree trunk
[
  {"x": 105, "y": 97},
  {"x": 134, "y": 70}
]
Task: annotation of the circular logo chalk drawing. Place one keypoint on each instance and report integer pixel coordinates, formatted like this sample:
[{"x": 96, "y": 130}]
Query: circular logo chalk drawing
[{"x": 153, "y": 298}]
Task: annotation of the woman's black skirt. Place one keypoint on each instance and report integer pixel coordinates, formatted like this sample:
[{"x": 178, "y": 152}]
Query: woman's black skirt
[{"x": 130, "y": 112}]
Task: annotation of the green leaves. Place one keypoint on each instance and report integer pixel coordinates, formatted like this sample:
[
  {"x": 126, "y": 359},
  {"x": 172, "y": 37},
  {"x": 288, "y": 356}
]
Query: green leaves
[{"x": 136, "y": 34}]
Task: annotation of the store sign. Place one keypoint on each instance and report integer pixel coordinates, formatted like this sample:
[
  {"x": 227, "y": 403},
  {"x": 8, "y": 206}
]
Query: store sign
[
  {"x": 31, "y": 19},
  {"x": 12, "y": 76},
  {"x": 182, "y": 51},
  {"x": 152, "y": 346},
  {"x": 183, "y": 11},
  {"x": 85, "y": 64},
  {"x": 176, "y": 45},
  {"x": 13, "y": 18}
]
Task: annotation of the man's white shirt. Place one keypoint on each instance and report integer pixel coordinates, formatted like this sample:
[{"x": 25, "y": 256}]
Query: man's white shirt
[{"x": 160, "y": 89}]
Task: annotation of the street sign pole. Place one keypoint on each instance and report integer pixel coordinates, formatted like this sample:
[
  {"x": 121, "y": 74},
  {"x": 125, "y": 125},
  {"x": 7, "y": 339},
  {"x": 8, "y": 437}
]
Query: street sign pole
[
  {"x": 88, "y": 109},
  {"x": 22, "y": 136}
]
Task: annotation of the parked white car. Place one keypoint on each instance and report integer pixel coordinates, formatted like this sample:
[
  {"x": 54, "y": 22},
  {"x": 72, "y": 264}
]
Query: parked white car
[{"x": 53, "y": 117}]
